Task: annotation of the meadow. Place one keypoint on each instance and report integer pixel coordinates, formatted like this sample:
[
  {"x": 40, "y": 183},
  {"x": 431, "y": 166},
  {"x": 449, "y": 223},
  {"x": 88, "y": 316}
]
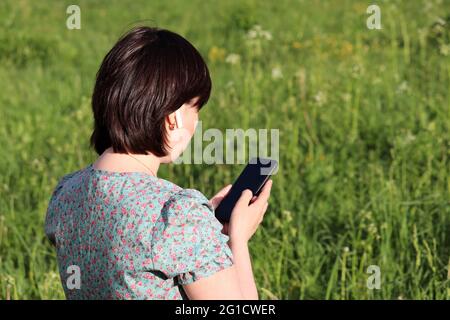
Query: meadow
[{"x": 364, "y": 120}]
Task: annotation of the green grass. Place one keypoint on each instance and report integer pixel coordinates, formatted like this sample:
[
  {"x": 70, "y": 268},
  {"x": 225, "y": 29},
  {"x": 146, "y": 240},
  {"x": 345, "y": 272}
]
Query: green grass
[{"x": 364, "y": 119}]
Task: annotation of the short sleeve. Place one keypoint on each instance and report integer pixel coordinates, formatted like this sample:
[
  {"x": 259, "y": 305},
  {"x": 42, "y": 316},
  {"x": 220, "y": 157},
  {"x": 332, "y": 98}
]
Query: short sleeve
[
  {"x": 188, "y": 243},
  {"x": 53, "y": 208}
]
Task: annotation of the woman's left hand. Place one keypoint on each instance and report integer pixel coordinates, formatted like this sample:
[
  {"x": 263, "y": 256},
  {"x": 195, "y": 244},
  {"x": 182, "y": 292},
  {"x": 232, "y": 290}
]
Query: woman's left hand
[{"x": 215, "y": 201}]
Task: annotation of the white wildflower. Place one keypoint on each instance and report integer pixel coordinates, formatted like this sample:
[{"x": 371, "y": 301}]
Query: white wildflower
[
  {"x": 320, "y": 98},
  {"x": 266, "y": 35},
  {"x": 257, "y": 32},
  {"x": 229, "y": 84},
  {"x": 357, "y": 70},
  {"x": 445, "y": 49},
  {"x": 252, "y": 34},
  {"x": 409, "y": 137},
  {"x": 346, "y": 97},
  {"x": 403, "y": 87},
  {"x": 233, "y": 58},
  {"x": 277, "y": 73}
]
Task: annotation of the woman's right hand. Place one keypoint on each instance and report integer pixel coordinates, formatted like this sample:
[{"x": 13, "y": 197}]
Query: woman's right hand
[{"x": 245, "y": 217}]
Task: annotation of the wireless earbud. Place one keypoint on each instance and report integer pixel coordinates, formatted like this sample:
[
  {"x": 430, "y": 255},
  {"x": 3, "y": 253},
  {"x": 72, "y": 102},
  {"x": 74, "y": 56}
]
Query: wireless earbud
[{"x": 178, "y": 119}]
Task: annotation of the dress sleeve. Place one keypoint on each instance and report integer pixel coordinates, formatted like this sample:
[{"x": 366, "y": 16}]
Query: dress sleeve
[
  {"x": 188, "y": 243},
  {"x": 53, "y": 208}
]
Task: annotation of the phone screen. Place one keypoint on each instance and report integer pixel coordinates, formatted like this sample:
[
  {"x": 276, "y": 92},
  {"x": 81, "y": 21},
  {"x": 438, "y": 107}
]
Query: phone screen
[{"x": 253, "y": 177}]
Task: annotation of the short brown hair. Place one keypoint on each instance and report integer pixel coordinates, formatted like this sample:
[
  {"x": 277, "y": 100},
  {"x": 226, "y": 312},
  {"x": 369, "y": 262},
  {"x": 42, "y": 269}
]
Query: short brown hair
[{"x": 147, "y": 75}]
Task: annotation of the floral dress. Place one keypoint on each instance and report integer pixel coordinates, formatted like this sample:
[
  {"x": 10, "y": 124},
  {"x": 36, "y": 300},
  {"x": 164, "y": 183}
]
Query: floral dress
[{"x": 131, "y": 235}]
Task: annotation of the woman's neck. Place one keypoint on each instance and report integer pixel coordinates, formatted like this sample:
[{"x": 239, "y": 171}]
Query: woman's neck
[{"x": 122, "y": 162}]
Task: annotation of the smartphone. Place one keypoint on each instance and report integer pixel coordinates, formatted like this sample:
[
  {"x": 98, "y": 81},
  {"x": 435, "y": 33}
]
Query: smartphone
[{"x": 253, "y": 177}]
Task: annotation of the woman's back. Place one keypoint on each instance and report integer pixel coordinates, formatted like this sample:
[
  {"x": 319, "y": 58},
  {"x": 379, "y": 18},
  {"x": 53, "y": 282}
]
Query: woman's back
[{"x": 132, "y": 235}]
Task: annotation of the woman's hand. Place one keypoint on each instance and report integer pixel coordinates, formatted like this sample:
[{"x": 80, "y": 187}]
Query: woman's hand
[
  {"x": 248, "y": 214},
  {"x": 215, "y": 201}
]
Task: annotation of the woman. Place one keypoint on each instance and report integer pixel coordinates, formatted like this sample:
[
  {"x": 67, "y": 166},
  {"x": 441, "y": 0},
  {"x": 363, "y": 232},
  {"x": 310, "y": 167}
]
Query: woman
[{"x": 124, "y": 232}]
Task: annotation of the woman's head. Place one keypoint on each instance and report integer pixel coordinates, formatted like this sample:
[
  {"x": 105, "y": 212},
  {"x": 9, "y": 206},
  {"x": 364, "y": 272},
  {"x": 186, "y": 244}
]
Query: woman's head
[{"x": 148, "y": 75}]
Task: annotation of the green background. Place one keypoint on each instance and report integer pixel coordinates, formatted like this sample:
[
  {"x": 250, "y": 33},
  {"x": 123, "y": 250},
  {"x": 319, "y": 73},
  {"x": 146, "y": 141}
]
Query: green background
[{"x": 364, "y": 118}]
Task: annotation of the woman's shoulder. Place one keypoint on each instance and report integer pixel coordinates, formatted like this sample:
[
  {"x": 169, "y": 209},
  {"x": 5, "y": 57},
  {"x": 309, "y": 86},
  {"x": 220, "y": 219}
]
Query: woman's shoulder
[
  {"x": 188, "y": 198},
  {"x": 55, "y": 203},
  {"x": 66, "y": 180},
  {"x": 189, "y": 195},
  {"x": 189, "y": 205}
]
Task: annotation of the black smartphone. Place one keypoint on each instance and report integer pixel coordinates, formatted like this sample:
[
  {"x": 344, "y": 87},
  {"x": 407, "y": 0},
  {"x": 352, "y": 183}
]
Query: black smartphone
[{"x": 253, "y": 177}]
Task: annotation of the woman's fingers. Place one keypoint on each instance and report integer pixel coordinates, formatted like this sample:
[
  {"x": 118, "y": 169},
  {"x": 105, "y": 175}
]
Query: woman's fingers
[
  {"x": 225, "y": 228},
  {"x": 215, "y": 201},
  {"x": 263, "y": 211},
  {"x": 224, "y": 191},
  {"x": 245, "y": 198},
  {"x": 265, "y": 207},
  {"x": 264, "y": 195}
]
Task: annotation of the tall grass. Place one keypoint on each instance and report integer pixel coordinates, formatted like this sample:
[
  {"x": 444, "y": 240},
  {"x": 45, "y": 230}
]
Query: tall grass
[{"x": 364, "y": 119}]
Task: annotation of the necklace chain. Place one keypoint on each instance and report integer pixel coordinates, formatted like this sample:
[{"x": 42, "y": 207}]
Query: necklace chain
[{"x": 142, "y": 164}]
